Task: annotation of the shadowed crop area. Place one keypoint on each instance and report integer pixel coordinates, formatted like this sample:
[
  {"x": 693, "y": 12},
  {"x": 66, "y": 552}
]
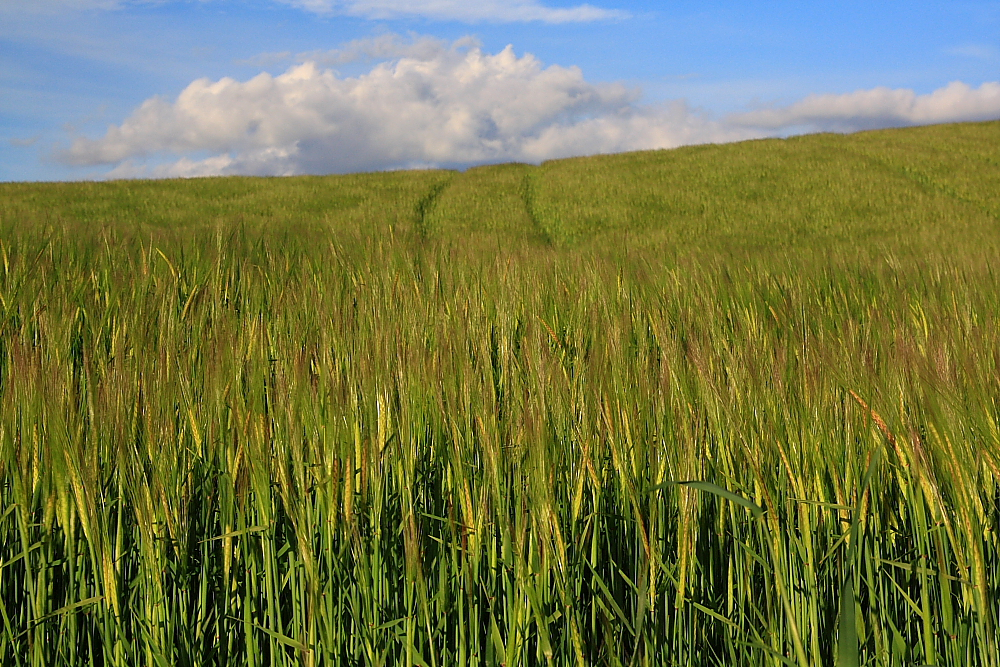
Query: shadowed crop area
[{"x": 722, "y": 405}]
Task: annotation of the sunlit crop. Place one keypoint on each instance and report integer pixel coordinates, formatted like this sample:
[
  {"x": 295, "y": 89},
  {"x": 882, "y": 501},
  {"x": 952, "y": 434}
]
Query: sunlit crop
[{"x": 727, "y": 405}]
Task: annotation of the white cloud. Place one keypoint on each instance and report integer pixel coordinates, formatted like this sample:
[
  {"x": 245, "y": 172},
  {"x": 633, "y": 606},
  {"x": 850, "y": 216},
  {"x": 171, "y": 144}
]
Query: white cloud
[
  {"x": 260, "y": 162},
  {"x": 471, "y": 11},
  {"x": 880, "y": 107},
  {"x": 451, "y": 106}
]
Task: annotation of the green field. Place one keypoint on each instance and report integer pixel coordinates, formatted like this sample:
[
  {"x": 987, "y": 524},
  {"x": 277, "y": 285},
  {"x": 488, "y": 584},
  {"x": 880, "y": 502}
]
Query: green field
[{"x": 720, "y": 405}]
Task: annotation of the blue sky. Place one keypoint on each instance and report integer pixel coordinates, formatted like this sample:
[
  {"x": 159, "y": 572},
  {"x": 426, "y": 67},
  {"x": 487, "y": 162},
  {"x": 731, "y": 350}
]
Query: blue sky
[{"x": 123, "y": 88}]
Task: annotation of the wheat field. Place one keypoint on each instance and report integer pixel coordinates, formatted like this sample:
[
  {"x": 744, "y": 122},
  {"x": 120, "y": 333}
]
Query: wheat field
[{"x": 722, "y": 405}]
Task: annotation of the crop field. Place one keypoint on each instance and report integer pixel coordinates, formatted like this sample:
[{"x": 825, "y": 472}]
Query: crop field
[{"x": 721, "y": 405}]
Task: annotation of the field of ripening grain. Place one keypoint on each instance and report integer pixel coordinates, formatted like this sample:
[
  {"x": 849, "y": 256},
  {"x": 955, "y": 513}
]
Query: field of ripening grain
[{"x": 722, "y": 405}]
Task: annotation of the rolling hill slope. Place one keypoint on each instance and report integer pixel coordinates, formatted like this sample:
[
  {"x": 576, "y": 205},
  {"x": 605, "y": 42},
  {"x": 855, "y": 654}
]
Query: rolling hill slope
[{"x": 918, "y": 188}]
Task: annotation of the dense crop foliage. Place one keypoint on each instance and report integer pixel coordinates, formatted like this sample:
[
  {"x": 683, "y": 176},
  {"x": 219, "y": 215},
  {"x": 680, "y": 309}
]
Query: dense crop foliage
[{"x": 453, "y": 419}]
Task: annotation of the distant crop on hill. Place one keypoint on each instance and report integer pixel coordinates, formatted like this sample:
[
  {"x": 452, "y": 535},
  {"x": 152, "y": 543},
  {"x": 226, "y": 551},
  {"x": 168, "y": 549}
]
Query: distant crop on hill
[
  {"x": 918, "y": 189},
  {"x": 723, "y": 405}
]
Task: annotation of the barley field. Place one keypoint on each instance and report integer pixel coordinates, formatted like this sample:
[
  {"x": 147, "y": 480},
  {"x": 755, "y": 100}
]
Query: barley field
[{"x": 722, "y": 405}]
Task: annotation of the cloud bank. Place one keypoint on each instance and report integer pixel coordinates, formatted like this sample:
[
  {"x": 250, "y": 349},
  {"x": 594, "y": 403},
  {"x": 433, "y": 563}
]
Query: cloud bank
[
  {"x": 469, "y": 11},
  {"x": 880, "y": 107},
  {"x": 454, "y": 105}
]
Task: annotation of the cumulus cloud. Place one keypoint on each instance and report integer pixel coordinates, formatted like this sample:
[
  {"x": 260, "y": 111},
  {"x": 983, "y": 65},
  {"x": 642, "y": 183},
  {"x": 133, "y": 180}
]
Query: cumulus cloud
[
  {"x": 880, "y": 107},
  {"x": 444, "y": 104},
  {"x": 454, "y": 106},
  {"x": 471, "y": 11}
]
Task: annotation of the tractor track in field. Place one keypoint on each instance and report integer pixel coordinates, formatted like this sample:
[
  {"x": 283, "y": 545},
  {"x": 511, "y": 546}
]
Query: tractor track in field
[
  {"x": 528, "y": 187},
  {"x": 426, "y": 205},
  {"x": 927, "y": 182}
]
